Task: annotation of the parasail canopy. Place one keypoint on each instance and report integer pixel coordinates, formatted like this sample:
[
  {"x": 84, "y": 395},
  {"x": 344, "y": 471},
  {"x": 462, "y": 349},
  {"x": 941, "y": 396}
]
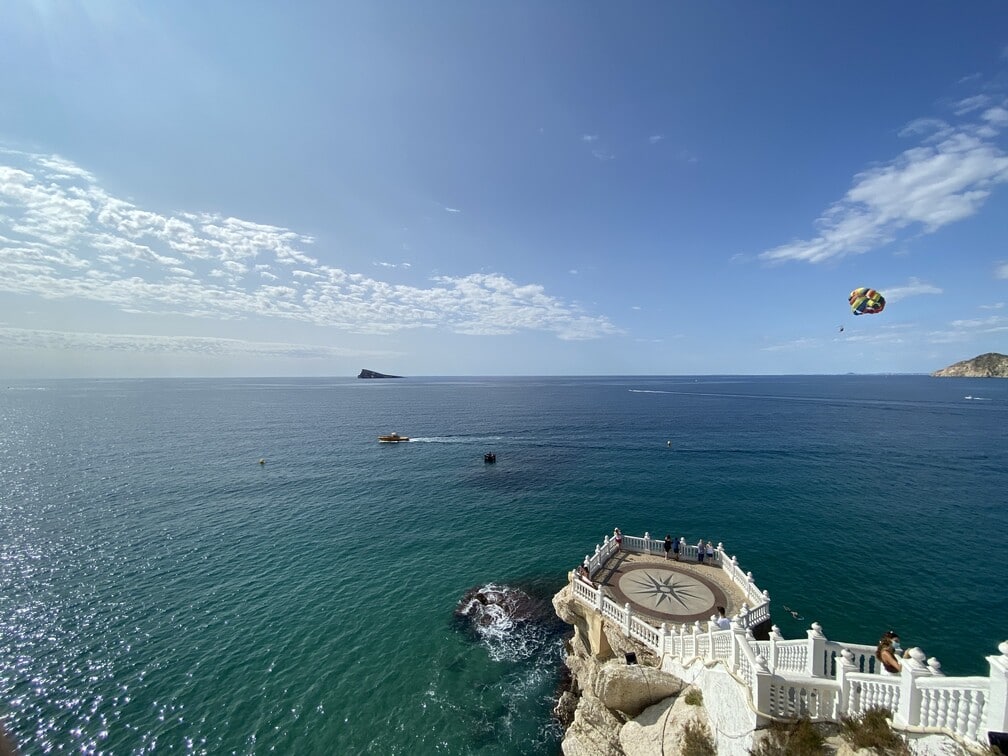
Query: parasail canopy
[{"x": 865, "y": 301}]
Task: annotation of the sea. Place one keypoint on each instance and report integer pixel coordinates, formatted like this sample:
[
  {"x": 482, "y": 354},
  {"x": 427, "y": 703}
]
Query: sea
[{"x": 229, "y": 566}]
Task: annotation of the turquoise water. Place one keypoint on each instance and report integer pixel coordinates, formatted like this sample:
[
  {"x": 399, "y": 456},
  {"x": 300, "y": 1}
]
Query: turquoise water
[{"x": 162, "y": 591}]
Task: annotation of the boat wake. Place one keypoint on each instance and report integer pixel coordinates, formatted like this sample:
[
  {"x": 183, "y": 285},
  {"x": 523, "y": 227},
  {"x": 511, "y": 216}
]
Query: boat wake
[
  {"x": 456, "y": 439},
  {"x": 650, "y": 391},
  {"x": 977, "y": 398},
  {"x": 507, "y": 621}
]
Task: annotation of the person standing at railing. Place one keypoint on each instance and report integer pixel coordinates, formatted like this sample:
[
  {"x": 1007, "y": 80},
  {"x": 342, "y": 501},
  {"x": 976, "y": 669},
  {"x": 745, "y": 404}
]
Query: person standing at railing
[
  {"x": 700, "y": 551},
  {"x": 618, "y": 537},
  {"x": 722, "y": 622},
  {"x": 886, "y": 652},
  {"x": 678, "y": 546},
  {"x": 667, "y": 545},
  {"x": 710, "y": 553}
]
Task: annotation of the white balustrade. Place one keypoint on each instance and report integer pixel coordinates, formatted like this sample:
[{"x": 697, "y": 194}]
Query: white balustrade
[{"x": 812, "y": 677}]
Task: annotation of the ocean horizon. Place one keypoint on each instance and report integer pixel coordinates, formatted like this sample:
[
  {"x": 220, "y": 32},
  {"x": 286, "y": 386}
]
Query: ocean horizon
[{"x": 162, "y": 590}]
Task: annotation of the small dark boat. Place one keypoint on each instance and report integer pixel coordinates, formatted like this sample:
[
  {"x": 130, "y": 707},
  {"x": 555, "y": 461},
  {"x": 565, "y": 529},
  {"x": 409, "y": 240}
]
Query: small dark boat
[
  {"x": 489, "y": 457},
  {"x": 392, "y": 438}
]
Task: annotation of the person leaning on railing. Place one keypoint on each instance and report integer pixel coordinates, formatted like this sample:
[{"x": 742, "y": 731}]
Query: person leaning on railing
[{"x": 887, "y": 652}]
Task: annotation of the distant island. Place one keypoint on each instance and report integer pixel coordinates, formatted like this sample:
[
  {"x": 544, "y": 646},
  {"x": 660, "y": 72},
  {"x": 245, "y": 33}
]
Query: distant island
[
  {"x": 372, "y": 374},
  {"x": 990, "y": 365}
]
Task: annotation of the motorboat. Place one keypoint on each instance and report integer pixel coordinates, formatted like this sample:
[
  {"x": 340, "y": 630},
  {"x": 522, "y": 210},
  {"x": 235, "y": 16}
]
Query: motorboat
[
  {"x": 489, "y": 457},
  {"x": 392, "y": 438}
]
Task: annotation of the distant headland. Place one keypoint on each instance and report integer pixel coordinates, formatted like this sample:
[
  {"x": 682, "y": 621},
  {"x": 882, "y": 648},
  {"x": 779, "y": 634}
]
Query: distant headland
[
  {"x": 990, "y": 365},
  {"x": 372, "y": 374}
]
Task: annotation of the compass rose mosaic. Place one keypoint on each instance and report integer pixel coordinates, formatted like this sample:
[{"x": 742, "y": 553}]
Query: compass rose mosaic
[{"x": 668, "y": 592}]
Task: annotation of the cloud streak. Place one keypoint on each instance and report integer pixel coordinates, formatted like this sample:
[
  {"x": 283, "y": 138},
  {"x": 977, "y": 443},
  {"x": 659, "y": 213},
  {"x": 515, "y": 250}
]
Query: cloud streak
[
  {"x": 63, "y": 237},
  {"x": 26, "y": 338},
  {"x": 912, "y": 288},
  {"x": 946, "y": 178}
]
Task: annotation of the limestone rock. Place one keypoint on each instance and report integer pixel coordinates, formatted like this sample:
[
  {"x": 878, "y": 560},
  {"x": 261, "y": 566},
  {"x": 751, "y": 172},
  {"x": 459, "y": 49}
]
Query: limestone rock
[
  {"x": 594, "y": 731},
  {"x": 658, "y": 730},
  {"x": 630, "y": 688}
]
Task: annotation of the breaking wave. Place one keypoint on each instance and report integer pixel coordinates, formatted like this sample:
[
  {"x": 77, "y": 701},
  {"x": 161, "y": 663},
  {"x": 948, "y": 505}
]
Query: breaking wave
[{"x": 511, "y": 624}]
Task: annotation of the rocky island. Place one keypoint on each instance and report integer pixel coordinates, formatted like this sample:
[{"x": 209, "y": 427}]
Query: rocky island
[
  {"x": 365, "y": 373},
  {"x": 990, "y": 365}
]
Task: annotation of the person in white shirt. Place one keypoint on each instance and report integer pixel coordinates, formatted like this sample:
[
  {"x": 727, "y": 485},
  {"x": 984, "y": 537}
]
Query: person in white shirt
[{"x": 722, "y": 622}]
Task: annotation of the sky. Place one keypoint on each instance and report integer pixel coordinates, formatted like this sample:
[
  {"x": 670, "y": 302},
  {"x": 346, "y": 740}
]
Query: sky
[{"x": 500, "y": 188}]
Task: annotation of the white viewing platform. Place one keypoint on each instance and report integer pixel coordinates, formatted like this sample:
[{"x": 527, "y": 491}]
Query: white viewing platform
[{"x": 666, "y": 606}]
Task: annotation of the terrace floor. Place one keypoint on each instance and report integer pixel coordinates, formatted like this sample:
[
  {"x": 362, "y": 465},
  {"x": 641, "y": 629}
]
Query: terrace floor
[{"x": 669, "y": 591}]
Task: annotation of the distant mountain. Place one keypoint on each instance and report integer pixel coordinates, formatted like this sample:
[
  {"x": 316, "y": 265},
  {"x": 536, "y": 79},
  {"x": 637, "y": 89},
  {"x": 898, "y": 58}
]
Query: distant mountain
[
  {"x": 990, "y": 365},
  {"x": 372, "y": 374}
]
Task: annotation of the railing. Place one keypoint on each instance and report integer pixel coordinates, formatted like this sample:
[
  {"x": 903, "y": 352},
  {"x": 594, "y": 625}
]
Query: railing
[{"x": 812, "y": 677}]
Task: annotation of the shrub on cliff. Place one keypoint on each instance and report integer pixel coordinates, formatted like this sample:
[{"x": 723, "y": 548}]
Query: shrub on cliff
[
  {"x": 871, "y": 730},
  {"x": 697, "y": 740},
  {"x": 798, "y": 738}
]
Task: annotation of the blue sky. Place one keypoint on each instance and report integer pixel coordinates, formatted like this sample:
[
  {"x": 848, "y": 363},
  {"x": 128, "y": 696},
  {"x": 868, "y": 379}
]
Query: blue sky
[{"x": 520, "y": 188}]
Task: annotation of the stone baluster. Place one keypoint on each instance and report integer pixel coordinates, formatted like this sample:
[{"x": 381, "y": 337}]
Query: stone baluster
[
  {"x": 663, "y": 640},
  {"x": 997, "y": 696},
  {"x": 719, "y": 554},
  {"x": 816, "y": 651},
  {"x": 943, "y": 709},
  {"x": 973, "y": 721},
  {"x": 738, "y": 638},
  {"x": 743, "y": 615},
  {"x": 599, "y": 598},
  {"x": 647, "y": 542},
  {"x": 749, "y": 586},
  {"x": 775, "y": 638},
  {"x": 627, "y": 615},
  {"x": 913, "y": 668},
  {"x": 696, "y": 638},
  {"x": 932, "y": 698},
  {"x": 761, "y": 693},
  {"x": 845, "y": 666},
  {"x": 935, "y": 666}
]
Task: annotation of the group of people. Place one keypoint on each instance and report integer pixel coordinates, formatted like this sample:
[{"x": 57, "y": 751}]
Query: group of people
[{"x": 675, "y": 547}]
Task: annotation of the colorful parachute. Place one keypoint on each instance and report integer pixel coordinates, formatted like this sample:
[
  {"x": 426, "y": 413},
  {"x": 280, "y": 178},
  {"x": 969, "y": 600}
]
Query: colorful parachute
[{"x": 866, "y": 301}]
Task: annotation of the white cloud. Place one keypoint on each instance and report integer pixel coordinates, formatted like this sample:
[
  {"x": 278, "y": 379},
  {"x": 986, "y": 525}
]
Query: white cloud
[
  {"x": 452, "y": 210},
  {"x": 655, "y": 138},
  {"x": 795, "y": 345},
  {"x": 997, "y": 117},
  {"x": 601, "y": 154},
  {"x": 970, "y": 104},
  {"x": 995, "y": 306},
  {"x": 929, "y": 186},
  {"x": 1001, "y": 271},
  {"x": 62, "y": 237},
  {"x": 589, "y": 137},
  {"x": 25, "y": 338},
  {"x": 926, "y": 127},
  {"x": 912, "y": 288}
]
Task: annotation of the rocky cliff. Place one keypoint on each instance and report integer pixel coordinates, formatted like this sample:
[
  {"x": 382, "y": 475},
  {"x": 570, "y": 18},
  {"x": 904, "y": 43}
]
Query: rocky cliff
[
  {"x": 365, "y": 373},
  {"x": 614, "y": 708},
  {"x": 990, "y": 365}
]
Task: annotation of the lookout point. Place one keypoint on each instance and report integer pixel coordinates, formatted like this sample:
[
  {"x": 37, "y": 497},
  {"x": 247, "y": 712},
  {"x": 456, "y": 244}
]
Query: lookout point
[{"x": 645, "y": 630}]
